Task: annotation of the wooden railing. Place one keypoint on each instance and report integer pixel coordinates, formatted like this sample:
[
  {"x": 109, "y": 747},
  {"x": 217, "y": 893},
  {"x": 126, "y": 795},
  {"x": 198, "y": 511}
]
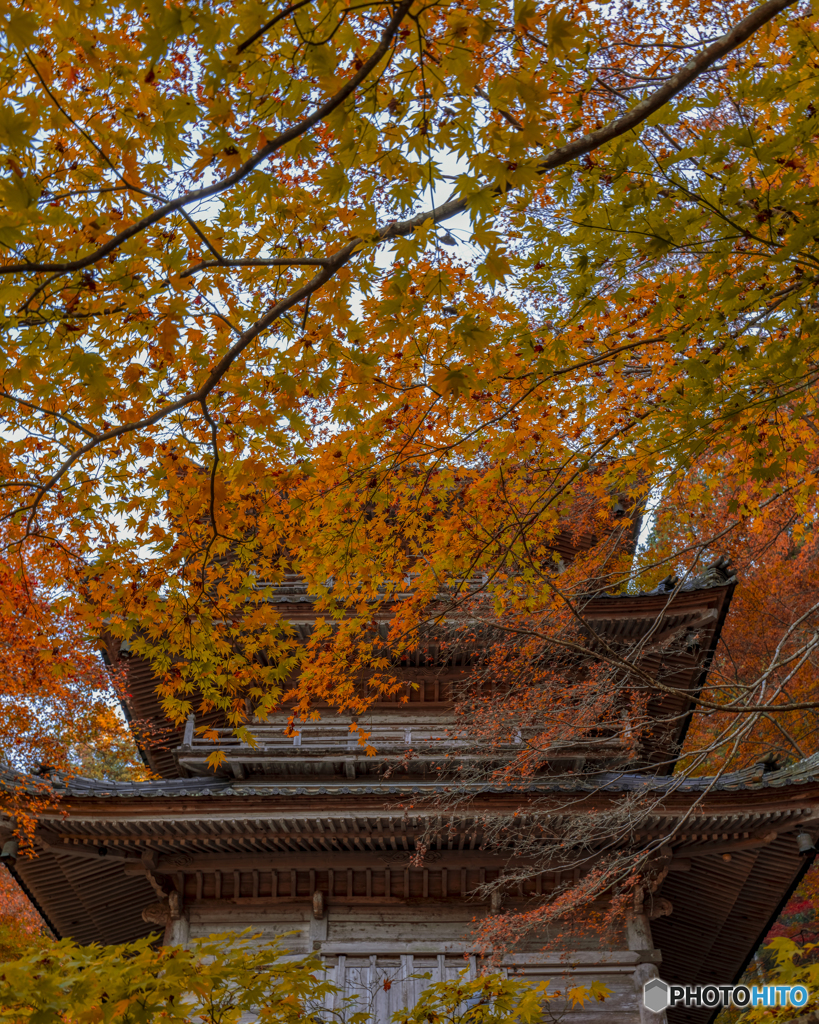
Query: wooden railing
[
  {"x": 325, "y": 735},
  {"x": 330, "y": 747}
]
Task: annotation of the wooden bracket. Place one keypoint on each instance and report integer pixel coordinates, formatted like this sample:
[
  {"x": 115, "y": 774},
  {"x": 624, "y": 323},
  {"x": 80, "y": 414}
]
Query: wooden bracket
[
  {"x": 165, "y": 911},
  {"x": 318, "y": 904},
  {"x": 660, "y": 907},
  {"x": 728, "y": 846}
]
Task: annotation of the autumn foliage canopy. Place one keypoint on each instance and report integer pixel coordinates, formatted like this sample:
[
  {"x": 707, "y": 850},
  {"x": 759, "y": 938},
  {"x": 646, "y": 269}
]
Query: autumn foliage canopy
[{"x": 390, "y": 297}]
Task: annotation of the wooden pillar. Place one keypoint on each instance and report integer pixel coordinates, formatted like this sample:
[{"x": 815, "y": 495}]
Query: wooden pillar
[
  {"x": 638, "y": 933},
  {"x": 318, "y": 924},
  {"x": 178, "y": 931},
  {"x": 406, "y": 980},
  {"x": 340, "y": 981}
]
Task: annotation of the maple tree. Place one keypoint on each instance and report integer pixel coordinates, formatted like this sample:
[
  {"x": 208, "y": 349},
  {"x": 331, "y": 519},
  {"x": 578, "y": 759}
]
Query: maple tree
[
  {"x": 21, "y": 927},
  {"x": 766, "y": 661},
  {"x": 227, "y": 976},
  {"x": 58, "y": 702},
  {"x": 387, "y": 296}
]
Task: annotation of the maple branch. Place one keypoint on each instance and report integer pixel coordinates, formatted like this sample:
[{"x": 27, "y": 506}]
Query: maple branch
[
  {"x": 81, "y": 130},
  {"x": 198, "y": 195},
  {"x": 775, "y": 722},
  {"x": 651, "y": 682},
  {"x": 40, "y": 288},
  {"x": 509, "y": 118},
  {"x": 585, "y": 144},
  {"x": 227, "y": 264},
  {"x": 101, "y": 190},
  {"x": 48, "y": 412},
  {"x": 38, "y": 319},
  {"x": 208, "y": 244},
  {"x": 266, "y": 28},
  {"x": 215, "y": 529},
  {"x": 201, "y": 393},
  {"x": 215, "y": 443}
]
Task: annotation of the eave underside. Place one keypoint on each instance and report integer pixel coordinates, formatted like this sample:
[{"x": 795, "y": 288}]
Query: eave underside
[{"x": 731, "y": 862}]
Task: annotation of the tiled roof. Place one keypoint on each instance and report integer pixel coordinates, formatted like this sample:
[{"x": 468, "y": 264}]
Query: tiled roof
[
  {"x": 292, "y": 588},
  {"x": 753, "y": 778},
  {"x": 718, "y": 574}
]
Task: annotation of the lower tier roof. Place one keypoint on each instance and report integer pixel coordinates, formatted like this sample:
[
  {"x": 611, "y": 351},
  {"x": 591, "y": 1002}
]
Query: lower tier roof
[{"x": 728, "y": 843}]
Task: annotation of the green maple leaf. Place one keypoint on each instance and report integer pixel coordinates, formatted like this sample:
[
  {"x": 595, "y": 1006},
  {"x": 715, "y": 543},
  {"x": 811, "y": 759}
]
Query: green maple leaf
[
  {"x": 20, "y": 29},
  {"x": 561, "y": 31},
  {"x": 14, "y": 128}
]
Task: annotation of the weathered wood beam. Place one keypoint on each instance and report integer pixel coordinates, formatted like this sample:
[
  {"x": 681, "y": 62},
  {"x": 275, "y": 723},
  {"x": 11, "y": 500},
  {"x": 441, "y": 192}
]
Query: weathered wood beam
[
  {"x": 207, "y": 905},
  {"x": 318, "y": 860},
  {"x": 680, "y": 864},
  {"x": 565, "y": 961}
]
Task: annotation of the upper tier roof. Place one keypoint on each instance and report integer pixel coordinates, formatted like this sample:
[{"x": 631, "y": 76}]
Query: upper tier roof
[{"x": 698, "y": 605}]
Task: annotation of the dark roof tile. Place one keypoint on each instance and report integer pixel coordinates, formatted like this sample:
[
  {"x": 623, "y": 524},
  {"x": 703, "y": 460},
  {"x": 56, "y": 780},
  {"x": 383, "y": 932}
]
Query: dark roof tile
[{"x": 752, "y": 778}]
